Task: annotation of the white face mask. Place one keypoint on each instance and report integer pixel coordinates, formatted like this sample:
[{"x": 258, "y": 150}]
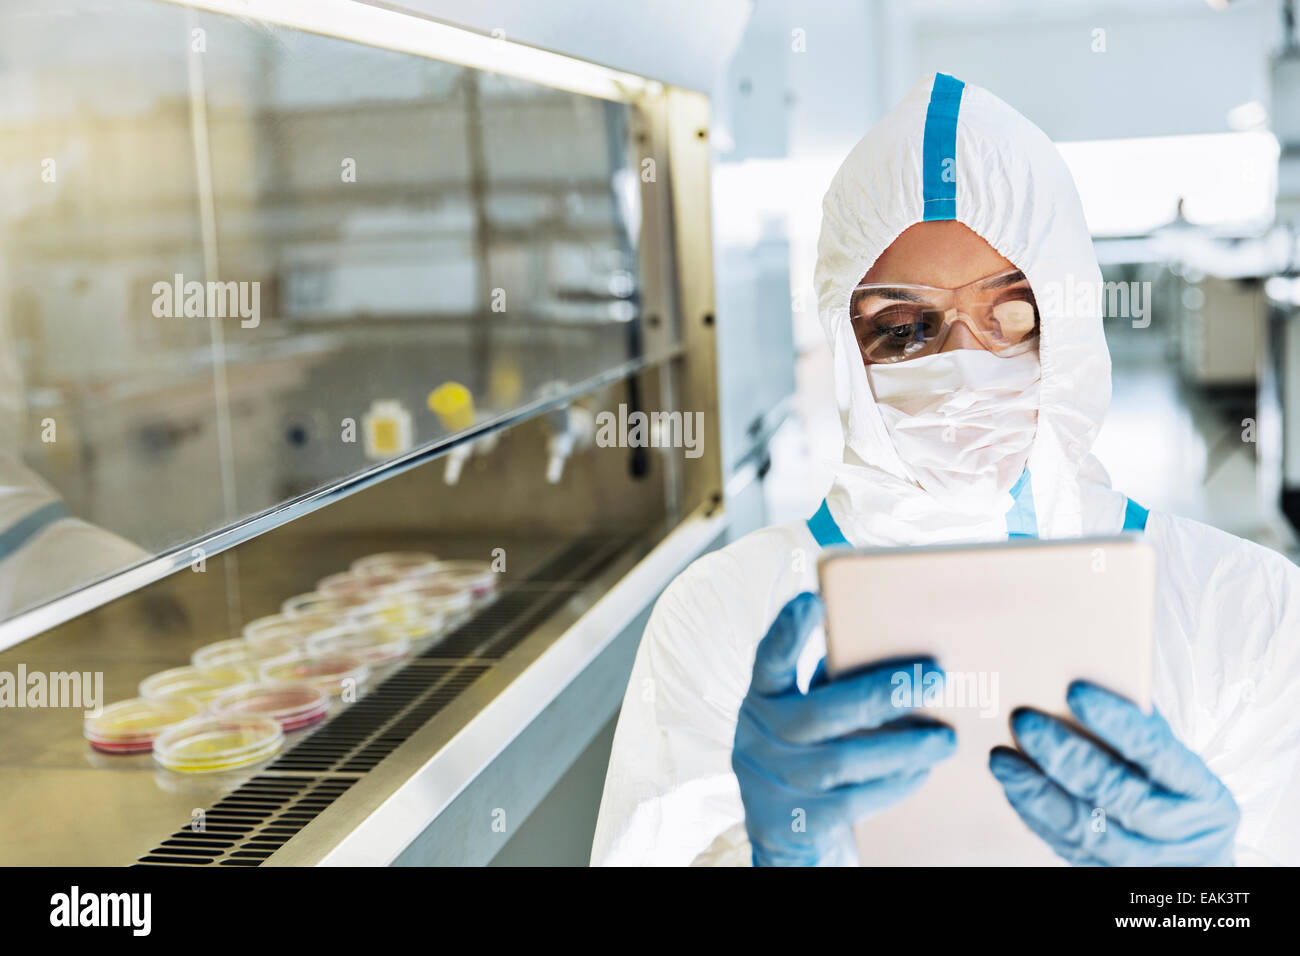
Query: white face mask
[{"x": 962, "y": 421}]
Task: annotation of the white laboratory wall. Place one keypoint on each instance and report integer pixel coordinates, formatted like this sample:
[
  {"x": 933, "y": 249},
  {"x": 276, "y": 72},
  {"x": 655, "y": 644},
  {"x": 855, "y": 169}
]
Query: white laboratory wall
[{"x": 1101, "y": 70}]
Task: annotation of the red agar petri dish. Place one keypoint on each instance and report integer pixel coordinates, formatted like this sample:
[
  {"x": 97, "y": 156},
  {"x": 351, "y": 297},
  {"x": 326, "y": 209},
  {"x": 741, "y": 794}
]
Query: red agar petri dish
[
  {"x": 130, "y": 726},
  {"x": 294, "y": 704}
]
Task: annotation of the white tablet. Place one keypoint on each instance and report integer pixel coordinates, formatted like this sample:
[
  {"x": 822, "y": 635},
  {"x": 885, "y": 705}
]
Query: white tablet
[{"x": 1012, "y": 624}]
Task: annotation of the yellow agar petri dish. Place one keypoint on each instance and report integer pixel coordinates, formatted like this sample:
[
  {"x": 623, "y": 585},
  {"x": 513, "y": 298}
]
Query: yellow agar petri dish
[
  {"x": 405, "y": 615},
  {"x": 214, "y": 744},
  {"x": 435, "y": 591},
  {"x": 236, "y": 652},
  {"x": 199, "y": 684}
]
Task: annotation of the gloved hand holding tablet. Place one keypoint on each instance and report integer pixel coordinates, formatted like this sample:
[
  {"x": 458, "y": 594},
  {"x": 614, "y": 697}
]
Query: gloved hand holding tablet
[
  {"x": 812, "y": 764},
  {"x": 1014, "y": 625}
]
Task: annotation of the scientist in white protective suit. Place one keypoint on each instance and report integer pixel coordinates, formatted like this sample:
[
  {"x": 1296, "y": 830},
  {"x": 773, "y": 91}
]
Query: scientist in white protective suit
[{"x": 973, "y": 376}]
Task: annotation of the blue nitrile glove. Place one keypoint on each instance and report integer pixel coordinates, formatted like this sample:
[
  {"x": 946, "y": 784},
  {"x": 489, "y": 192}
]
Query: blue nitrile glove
[
  {"x": 806, "y": 770},
  {"x": 1160, "y": 805}
]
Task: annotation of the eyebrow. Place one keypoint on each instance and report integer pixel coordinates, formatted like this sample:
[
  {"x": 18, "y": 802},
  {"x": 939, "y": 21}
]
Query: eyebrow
[
  {"x": 900, "y": 294},
  {"x": 886, "y": 292},
  {"x": 1001, "y": 282}
]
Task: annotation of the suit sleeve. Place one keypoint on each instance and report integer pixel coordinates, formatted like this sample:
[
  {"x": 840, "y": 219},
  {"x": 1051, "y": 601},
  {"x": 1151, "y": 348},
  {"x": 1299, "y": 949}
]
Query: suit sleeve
[
  {"x": 670, "y": 796},
  {"x": 1228, "y": 674}
]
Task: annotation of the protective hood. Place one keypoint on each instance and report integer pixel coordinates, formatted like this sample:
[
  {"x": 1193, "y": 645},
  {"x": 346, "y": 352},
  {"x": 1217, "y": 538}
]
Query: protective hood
[{"x": 954, "y": 151}]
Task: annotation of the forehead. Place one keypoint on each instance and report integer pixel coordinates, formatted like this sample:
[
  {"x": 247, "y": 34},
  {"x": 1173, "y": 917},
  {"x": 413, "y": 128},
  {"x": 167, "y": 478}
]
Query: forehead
[{"x": 942, "y": 253}]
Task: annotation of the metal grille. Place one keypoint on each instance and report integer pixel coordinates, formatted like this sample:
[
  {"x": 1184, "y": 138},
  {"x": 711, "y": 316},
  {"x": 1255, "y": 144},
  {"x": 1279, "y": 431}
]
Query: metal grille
[
  {"x": 247, "y": 825},
  {"x": 372, "y": 728},
  {"x": 494, "y": 631},
  {"x": 252, "y": 822}
]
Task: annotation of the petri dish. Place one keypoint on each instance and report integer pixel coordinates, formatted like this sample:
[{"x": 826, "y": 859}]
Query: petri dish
[
  {"x": 407, "y": 616},
  {"x": 478, "y": 576},
  {"x": 292, "y": 704},
  {"x": 433, "y": 592},
  {"x": 394, "y": 562},
  {"x": 200, "y": 685},
  {"x": 213, "y": 744},
  {"x": 356, "y": 585},
  {"x": 374, "y": 645},
  {"x": 330, "y": 671},
  {"x": 313, "y": 602},
  {"x": 236, "y": 652},
  {"x": 281, "y": 633},
  {"x": 130, "y": 726}
]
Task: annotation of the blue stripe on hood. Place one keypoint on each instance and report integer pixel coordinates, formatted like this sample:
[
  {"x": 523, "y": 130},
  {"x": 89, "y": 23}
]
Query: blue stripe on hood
[{"x": 939, "y": 150}]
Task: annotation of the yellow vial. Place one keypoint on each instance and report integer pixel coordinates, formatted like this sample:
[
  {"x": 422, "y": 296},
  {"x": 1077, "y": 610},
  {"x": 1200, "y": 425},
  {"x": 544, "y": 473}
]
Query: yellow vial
[{"x": 454, "y": 406}]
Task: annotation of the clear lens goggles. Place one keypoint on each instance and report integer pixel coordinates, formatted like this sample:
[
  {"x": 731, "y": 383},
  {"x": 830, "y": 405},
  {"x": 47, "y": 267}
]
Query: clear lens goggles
[{"x": 894, "y": 323}]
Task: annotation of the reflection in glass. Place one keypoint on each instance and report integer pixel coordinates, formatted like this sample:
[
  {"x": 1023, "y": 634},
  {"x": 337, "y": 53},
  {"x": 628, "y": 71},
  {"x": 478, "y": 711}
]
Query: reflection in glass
[{"x": 238, "y": 262}]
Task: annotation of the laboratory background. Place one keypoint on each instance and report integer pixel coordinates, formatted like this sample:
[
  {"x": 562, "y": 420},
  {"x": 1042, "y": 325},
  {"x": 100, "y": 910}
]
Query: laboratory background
[{"x": 367, "y": 372}]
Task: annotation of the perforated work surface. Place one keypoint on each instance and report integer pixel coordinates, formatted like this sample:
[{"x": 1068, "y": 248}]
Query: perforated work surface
[{"x": 247, "y": 825}]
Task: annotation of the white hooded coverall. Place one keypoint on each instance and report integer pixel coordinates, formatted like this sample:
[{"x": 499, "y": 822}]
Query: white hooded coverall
[{"x": 1227, "y": 618}]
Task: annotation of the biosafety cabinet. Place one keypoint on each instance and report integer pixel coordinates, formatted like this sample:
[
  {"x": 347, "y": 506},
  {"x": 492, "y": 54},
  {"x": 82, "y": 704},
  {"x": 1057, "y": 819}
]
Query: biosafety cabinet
[{"x": 383, "y": 351}]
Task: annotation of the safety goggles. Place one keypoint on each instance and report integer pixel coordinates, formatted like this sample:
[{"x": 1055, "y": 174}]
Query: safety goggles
[{"x": 894, "y": 323}]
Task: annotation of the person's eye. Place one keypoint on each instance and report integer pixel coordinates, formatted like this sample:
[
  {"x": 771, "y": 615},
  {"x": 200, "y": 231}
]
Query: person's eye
[
  {"x": 903, "y": 333},
  {"x": 897, "y": 321}
]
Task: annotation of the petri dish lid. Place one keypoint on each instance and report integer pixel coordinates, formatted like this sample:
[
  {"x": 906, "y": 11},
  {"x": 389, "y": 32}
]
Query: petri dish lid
[
  {"x": 478, "y": 576},
  {"x": 374, "y": 644},
  {"x": 190, "y": 681},
  {"x": 293, "y": 704},
  {"x": 353, "y": 584},
  {"x": 399, "y": 562},
  {"x": 328, "y": 671},
  {"x": 446, "y": 595},
  {"x": 313, "y": 602},
  {"x": 212, "y": 744},
  {"x": 236, "y": 652},
  {"x": 284, "y": 633},
  {"x": 406, "y": 616},
  {"x": 130, "y": 726}
]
